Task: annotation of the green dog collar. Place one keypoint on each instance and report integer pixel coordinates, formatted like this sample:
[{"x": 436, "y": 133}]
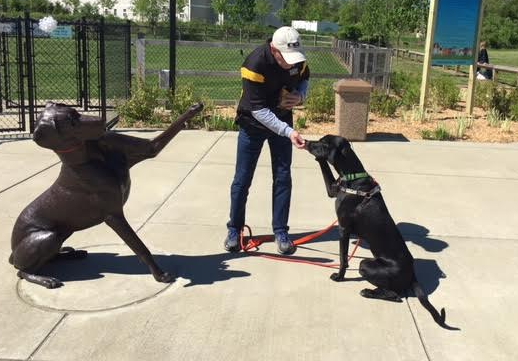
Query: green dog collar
[{"x": 353, "y": 176}]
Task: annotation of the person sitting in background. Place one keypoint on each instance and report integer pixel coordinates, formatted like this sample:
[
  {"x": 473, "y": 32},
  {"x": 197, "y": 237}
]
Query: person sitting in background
[{"x": 483, "y": 58}]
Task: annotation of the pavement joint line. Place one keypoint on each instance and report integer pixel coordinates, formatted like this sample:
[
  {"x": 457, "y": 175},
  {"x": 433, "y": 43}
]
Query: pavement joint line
[
  {"x": 418, "y": 330},
  {"x": 62, "y": 318},
  {"x": 180, "y": 183},
  {"x": 29, "y": 177},
  {"x": 442, "y": 175}
]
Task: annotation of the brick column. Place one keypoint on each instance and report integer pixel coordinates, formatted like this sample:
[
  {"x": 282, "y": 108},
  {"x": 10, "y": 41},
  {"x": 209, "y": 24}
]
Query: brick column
[{"x": 352, "y": 98}]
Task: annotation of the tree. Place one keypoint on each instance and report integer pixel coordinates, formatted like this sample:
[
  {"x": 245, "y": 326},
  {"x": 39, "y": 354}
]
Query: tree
[
  {"x": 221, "y": 7},
  {"x": 262, "y": 9},
  {"x": 292, "y": 10},
  {"x": 150, "y": 10},
  {"x": 180, "y": 5},
  {"x": 88, "y": 10},
  {"x": 73, "y": 5},
  {"x": 106, "y": 5},
  {"x": 374, "y": 21},
  {"x": 406, "y": 16},
  {"x": 242, "y": 12}
]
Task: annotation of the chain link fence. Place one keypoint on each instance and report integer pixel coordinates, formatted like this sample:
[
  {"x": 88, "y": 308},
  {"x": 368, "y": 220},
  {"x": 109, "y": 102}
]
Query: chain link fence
[
  {"x": 83, "y": 64},
  {"x": 211, "y": 68}
]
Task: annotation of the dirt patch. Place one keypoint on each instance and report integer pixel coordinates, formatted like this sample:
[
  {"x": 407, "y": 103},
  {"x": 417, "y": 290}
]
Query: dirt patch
[{"x": 403, "y": 126}]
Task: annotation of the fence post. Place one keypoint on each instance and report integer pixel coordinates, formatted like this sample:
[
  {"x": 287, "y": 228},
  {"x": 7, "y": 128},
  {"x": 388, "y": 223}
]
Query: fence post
[
  {"x": 30, "y": 73},
  {"x": 102, "y": 66},
  {"x": 141, "y": 57},
  {"x": 356, "y": 62}
]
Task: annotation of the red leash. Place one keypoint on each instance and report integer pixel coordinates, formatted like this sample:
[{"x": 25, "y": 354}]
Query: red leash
[{"x": 247, "y": 245}]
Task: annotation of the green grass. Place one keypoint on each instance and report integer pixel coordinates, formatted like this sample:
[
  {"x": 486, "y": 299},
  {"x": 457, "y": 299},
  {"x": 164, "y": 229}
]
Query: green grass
[{"x": 214, "y": 59}]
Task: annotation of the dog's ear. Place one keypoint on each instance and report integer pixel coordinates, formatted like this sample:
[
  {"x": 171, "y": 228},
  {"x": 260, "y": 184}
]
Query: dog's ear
[{"x": 344, "y": 146}]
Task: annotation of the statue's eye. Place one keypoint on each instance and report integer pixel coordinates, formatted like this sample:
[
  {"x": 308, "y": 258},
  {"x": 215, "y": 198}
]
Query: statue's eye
[{"x": 73, "y": 121}]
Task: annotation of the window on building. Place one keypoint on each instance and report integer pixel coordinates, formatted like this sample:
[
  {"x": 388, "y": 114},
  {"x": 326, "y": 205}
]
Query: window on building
[{"x": 115, "y": 12}]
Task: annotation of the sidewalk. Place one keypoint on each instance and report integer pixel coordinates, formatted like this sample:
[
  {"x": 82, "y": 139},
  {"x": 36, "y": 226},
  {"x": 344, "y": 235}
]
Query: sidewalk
[{"x": 455, "y": 204}]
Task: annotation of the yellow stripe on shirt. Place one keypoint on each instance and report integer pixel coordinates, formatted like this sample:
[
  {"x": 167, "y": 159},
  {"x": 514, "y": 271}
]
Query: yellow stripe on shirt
[
  {"x": 252, "y": 76},
  {"x": 303, "y": 68}
]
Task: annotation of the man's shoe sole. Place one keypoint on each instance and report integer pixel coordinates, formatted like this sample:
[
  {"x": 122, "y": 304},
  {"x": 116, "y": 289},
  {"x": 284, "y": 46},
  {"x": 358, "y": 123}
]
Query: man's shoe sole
[
  {"x": 292, "y": 250},
  {"x": 233, "y": 249}
]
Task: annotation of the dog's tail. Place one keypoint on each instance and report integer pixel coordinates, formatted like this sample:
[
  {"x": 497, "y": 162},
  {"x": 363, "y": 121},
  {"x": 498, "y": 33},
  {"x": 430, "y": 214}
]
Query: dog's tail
[{"x": 423, "y": 299}]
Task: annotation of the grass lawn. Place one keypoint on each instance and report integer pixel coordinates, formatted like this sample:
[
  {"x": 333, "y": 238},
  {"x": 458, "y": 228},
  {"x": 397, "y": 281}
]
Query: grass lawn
[{"x": 212, "y": 59}]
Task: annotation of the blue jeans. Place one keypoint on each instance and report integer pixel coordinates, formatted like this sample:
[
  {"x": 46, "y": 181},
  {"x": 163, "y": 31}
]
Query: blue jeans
[{"x": 249, "y": 145}]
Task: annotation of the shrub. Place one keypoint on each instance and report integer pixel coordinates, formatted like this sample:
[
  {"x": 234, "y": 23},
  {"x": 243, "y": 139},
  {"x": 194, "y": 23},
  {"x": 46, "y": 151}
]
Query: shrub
[
  {"x": 383, "y": 104},
  {"x": 184, "y": 98},
  {"x": 488, "y": 95},
  {"x": 407, "y": 86},
  {"x": 440, "y": 133},
  {"x": 494, "y": 118},
  {"x": 445, "y": 92},
  {"x": 484, "y": 92},
  {"x": 464, "y": 122},
  {"x": 142, "y": 105},
  {"x": 220, "y": 122},
  {"x": 300, "y": 123},
  {"x": 320, "y": 105}
]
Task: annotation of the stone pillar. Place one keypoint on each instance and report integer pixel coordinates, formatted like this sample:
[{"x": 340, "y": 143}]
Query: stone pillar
[{"x": 352, "y": 98}]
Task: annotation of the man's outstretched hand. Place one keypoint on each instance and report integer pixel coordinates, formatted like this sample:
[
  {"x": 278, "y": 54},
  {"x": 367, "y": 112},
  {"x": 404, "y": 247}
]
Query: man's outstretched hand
[{"x": 297, "y": 140}]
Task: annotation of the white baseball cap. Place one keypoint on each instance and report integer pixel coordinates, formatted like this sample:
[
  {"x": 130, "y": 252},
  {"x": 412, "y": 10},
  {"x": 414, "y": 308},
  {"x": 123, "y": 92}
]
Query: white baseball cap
[{"x": 287, "y": 41}]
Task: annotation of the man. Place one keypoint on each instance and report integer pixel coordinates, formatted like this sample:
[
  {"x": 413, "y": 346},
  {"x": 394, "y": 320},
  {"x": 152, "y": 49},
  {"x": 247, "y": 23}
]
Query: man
[{"x": 275, "y": 79}]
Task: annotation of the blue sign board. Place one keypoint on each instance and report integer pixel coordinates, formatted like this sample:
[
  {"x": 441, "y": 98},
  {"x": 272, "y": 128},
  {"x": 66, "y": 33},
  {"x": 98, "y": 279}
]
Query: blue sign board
[
  {"x": 456, "y": 32},
  {"x": 62, "y": 32}
]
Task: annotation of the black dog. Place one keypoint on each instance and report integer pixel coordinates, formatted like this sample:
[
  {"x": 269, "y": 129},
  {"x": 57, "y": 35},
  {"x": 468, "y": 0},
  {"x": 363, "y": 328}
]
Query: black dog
[
  {"x": 92, "y": 187},
  {"x": 361, "y": 210}
]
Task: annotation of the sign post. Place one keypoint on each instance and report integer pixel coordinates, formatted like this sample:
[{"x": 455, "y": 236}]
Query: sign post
[
  {"x": 452, "y": 39},
  {"x": 430, "y": 33},
  {"x": 473, "y": 69}
]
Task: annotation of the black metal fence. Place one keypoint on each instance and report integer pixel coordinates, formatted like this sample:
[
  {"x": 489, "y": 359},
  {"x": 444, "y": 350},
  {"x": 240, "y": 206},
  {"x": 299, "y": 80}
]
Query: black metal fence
[{"x": 83, "y": 64}]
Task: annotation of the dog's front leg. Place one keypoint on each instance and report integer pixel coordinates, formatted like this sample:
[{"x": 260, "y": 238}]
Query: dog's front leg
[
  {"x": 344, "y": 250},
  {"x": 121, "y": 226},
  {"x": 329, "y": 179}
]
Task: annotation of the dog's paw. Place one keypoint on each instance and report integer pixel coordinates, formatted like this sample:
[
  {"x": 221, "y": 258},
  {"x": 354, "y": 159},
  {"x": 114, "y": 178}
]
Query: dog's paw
[
  {"x": 337, "y": 277},
  {"x": 165, "y": 277},
  {"x": 80, "y": 254}
]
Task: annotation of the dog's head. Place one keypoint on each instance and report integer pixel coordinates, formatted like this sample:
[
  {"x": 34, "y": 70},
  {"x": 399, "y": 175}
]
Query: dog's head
[
  {"x": 328, "y": 148},
  {"x": 60, "y": 127}
]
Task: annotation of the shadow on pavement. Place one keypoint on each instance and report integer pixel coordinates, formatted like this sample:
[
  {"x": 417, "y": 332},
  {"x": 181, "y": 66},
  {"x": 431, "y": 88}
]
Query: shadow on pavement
[
  {"x": 418, "y": 235},
  {"x": 200, "y": 270}
]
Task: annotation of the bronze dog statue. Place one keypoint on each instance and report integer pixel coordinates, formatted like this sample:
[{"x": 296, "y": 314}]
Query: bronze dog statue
[{"x": 92, "y": 187}]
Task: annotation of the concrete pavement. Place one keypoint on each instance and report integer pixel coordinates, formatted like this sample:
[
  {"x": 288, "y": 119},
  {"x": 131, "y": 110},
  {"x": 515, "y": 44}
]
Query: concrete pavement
[{"x": 455, "y": 203}]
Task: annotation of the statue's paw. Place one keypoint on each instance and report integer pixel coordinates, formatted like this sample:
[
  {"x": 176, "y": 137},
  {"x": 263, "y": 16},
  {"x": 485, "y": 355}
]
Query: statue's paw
[
  {"x": 337, "y": 277},
  {"x": 51, "y": 282},
  {"x": 165, "y": 277}
]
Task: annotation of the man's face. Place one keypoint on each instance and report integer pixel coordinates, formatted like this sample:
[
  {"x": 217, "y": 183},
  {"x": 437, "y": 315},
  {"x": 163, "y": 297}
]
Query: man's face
[{"x": 280, "y": 60}]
